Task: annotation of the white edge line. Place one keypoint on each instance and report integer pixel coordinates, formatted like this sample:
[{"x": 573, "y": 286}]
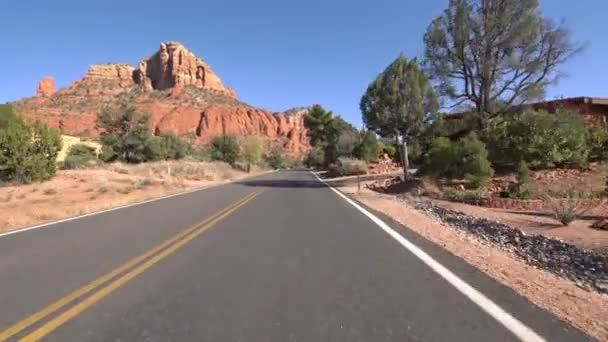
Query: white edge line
[
  {"x": 516, "y": 327},
  {"x": 72, "y": 218}
]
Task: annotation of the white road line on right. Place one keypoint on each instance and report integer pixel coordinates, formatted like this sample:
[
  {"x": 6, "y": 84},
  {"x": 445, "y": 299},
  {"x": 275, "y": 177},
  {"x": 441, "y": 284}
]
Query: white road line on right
[{"x": 515, "y": 326}]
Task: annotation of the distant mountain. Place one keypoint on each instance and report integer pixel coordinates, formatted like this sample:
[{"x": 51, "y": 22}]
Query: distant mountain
[{"x": 179, "y": 90}]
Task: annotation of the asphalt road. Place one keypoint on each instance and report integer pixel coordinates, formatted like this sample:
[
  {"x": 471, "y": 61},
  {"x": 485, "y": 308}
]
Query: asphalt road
[{"x": 292, "y": 261}]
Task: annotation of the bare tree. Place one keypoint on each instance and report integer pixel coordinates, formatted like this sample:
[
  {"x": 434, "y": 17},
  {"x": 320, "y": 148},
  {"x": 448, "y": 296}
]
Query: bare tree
[{"x": 494, "y": 54}]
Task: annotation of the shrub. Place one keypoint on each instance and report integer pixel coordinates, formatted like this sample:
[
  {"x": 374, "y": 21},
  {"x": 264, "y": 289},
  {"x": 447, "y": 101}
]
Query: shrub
[
  {"x": 368, "y": 149},
  {"x": 315, "y": 158},
  {"x": 466, "y": 158},
  {"x": 28, "y": 153},
  {"x": 79, "y": 156},
  {"x": 225, "y": 148},
  {"x": 522, "y": 189},
  {"x": 165, "y": 147},
  {"x": 252, "y": 150},
  {"x": 388, "y": 147},
  {"x": 346, "y": 144},
  {"x": 474, "y": 158},
  {"x": 172, "y": 147},
  {"x": 598, "y": 143},
  {"x": 126, "y": 135},
  {"x": 539, "y": 138},
  {"x": 464, "y": 195},
  {"x": 8, "y": 116},
  {"x": 567, "y": 211},
  {"x": 348, "y": 167},
  {"x": 276, "y": 159}
]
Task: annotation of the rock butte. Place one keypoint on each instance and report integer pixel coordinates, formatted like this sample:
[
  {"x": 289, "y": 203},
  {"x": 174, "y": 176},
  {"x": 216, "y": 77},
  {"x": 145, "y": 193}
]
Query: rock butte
[
  {"x": 181, "y": 93},
  {"x": 46, "y": 87}
]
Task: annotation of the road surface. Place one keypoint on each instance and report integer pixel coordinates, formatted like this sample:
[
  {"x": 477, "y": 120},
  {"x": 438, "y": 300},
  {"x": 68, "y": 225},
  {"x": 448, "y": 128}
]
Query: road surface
[{"x": 279, "y": 257}]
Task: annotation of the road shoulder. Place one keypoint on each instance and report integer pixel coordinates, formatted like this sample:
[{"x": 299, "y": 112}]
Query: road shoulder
[{"x": 584, "y": 310}]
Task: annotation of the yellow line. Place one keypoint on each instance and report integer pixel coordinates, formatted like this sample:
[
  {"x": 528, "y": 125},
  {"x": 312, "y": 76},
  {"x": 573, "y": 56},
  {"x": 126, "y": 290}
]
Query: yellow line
[
  {"x": 17, "y": 327},
  {"x": 103, "y": 292}
]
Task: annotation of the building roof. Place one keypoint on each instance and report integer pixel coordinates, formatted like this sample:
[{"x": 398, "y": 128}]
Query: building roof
[{"x": 599, "y": 101}]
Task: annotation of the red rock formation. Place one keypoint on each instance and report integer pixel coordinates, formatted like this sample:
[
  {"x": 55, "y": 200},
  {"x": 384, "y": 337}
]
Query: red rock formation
[
  {"x": 180, "y": 92},
  {"x": 46, "y": 87},
  {"x": 122, "y": 74},
  {"x": 173, "y": 65}
]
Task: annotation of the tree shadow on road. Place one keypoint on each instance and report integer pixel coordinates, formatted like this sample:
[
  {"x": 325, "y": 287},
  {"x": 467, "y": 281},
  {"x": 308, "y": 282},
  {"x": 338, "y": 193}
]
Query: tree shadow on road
[{"x": 283, "y": 183}]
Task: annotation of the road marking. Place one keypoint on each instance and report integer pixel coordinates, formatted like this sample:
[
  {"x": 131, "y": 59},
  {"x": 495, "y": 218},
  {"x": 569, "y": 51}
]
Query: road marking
[
  {"x": 516, "y": 327},
  {"x": 106, "y": 290},
  {"x": 19, "y": 326}
]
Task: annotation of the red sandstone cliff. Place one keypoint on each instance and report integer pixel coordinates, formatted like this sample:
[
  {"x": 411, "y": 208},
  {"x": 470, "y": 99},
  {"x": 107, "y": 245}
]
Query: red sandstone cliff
[{"x": 180, "y": 92}]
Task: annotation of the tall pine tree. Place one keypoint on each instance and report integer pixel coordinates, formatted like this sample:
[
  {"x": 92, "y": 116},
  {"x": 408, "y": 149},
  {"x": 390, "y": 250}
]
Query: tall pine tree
[{"x": 397, "y": 102}]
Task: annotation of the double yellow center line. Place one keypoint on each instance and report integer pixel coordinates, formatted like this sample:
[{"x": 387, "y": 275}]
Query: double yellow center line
[{"x": 131, "y": 269}]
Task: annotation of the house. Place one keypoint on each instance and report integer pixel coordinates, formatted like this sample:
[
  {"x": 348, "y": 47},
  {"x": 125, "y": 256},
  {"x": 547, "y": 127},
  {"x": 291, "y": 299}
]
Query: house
[{"x": 594, "y": 109}]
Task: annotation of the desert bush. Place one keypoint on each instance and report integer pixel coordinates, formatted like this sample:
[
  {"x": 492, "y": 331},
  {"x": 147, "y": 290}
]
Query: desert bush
[
  {"x": 252, "y": 150},
  {"x": 568, "y": 210},
  {"x": 8, "y": 116},
  {"x": 276, "y": 158},
  {"x": 348, "y": 167},
  {"x": 315, "y": 158},
  {"x": 126, "y": 135},
  {"x": 169, "y": 147},
  {"x": 346, "y": 144},
  {"x": 598, "y": 143},
  {"x": 79, "y": 156},
  {"x": 368, "y": 149},
  {"x": 464, "y": 195},
  {"x": 522, "y": 189},
  {"x": 28, "y": 153},
  {"x": 466, "y": 158},
  {"x": 225, "y": 148},
  {"x": 539, "y": 138}
]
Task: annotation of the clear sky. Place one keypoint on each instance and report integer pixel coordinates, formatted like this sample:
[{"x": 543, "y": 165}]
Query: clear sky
[{"x": 276, "y": 54}]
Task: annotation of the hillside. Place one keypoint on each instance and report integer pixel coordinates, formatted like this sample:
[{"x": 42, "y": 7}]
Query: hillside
[{"x": 179, "y": 90}]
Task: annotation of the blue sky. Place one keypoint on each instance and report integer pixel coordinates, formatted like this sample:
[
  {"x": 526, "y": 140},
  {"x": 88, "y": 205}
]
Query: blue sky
[{"x": 275, "y": 54}]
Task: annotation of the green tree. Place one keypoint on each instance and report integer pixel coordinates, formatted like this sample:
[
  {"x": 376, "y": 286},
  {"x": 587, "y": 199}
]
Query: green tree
[
  {"x": 125, "y": 134},
  {"x": 324, "y": 130},
  {"x": 397, "y": 102},
  {"x": 369, "y": 149},
  {"x": 28, "y": 153},
  {"x": 225, "y": 148},
  {"x": 320, "y": 126},
  {"x": 346, "y": 143},
  {"x": 494, "y": 54},
  {"x": 252, "y": 150}
]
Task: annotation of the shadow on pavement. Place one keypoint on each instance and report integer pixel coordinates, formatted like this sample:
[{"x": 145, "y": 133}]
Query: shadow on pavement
[{"x": 283, "y": 183}]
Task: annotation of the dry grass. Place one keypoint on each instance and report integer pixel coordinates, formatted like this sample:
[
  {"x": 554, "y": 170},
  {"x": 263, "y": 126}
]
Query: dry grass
[{"x": 76, "y": 192}]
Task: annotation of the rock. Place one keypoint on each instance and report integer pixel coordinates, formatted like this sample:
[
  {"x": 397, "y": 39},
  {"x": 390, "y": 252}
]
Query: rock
[
  {"x": 46, "y": 87},
  {"x": 173, "y": 65},
  {"x": 588, "y": 269},
  {"x": 601, "y": 225},
  {"x": 180, "y": 92},
  {"x": 121, "y": 74}
]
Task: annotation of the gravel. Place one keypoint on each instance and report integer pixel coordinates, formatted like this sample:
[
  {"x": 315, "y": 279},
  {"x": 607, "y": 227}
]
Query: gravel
[{"x": 587, "y": 268}]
